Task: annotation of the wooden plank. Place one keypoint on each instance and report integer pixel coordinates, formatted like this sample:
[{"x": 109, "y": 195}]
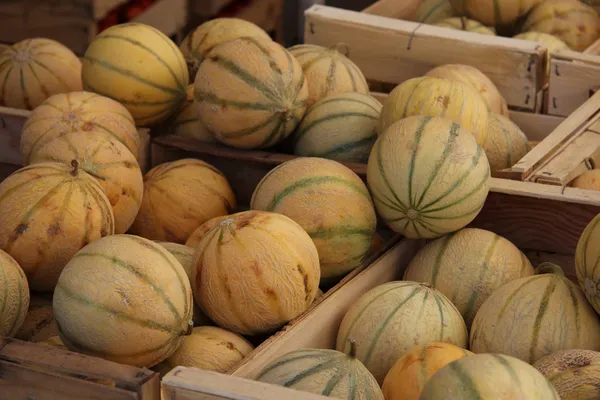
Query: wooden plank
[
  {"x": 268, "y": 14},
  {"x": 535, "y": 126},
  {"x": 565, "y": 261},
  {"x": 168, "y": 16}
]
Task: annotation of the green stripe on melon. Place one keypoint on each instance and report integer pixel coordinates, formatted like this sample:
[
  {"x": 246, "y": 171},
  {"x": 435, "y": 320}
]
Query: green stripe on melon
[
  {"x": 14, "y": 295},
  {"x": 587, "y": 262}
]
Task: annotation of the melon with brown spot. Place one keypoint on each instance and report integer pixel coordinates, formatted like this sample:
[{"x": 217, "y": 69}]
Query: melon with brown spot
[
  {"x": 187, "y": 123},
  {"x": 178, "y": 197},
  {"x": 330, "y": 202},
  {"x": 48, "y": 211},
  {"x": 39, "y": 323},
  {"x": 587, "y": 259},
  {"x": 589, "y": 180},
  {"x": 465, "y": 24},
  {"x": 506, "y": 143},
  {"x": 495, "y": 12},
  {"x": 14, "y": 295},
  {"x": 255, "y": 271},
  {"x": 34, "y": 69}
]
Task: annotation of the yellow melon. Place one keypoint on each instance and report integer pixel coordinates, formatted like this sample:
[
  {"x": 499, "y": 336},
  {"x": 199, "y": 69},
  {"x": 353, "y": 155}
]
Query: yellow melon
[
  {"x": 187, "y": 123},
  {"x": 495, "y": 12},
  {"x": 34, "y": 69},
  {"x": 54, "y": 341},
  {"x": 330, "y": 202},
  {"x": 178, "y": 197},
  {"x": 506, "y": 143},
  {"x": 14, "y": 292},
  {"x": 255, "y": 271},
  {"x": 39, "y": 322},
  {"x": 588, "y": 180},
  {"x": 465, "y": 24},
  {"x": 196, "y": 236},
  {"x": 48, "y": 211},
  {"x": 551, "y": 42}
]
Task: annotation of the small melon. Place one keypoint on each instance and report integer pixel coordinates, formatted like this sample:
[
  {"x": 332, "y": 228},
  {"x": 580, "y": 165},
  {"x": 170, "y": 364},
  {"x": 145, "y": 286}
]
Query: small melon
[
  {"x": 14, "y": 292},
  {"x": 187, "y": 123},
  {"x": 465, "y": 24},
  {"x": 587, "y": 258},
  {"x": 589, "y": 180},
  {"x": 39, "y": 322},
  {"x": 506, "y": 143}
]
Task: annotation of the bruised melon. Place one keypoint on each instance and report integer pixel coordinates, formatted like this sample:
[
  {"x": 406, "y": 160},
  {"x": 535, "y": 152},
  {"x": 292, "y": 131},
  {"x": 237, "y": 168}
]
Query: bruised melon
[
  {"x": 39, "y": 322},
  {"x": 506, "y": 143},
  {"x": 465, "y": 24},
  {"x": 14, "y": 295}
]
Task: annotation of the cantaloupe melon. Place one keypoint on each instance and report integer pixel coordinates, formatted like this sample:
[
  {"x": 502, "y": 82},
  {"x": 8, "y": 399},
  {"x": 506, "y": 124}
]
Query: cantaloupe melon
[
  {"x": 506, "y": 143},
  {"x": 78, "y": 112},
  {"x": 208, "y": 348},
  {"x": 532, "y": 317},
  {"x": 39, "y": 322},
  {"x": 488, "y": 377},
  {"x": 138, "y": 66},
  {"x": 340, "y": 127},
  {"x": 187, "y": 123},
  {"x": 14, "y": 295},
  {"x": 432, "y": 11},
  {"x": 411, "y": 372},
  {"x": 328, "y": 72},
  {"x": 575, "y": 374},
  {"x": 124, "y": 298},
  {"x": 550, "y": 42},
  {"x": 465, "y": 24},
  {"x": 587, "y": 256},
  {"x": 495, "y": 12},
  {"x": 194, "y": 239},
  {"x": 178, "y": 197},
  {"x": 250, "y": 93},
  {"x": 34, "y": 69},
  {"x": 388, "y": 320},
  {"x": 255, "y": 271},
  {"x": 435, "y": 97},
  {"x": 330, "y": 202},
  {"x": 428, "y": 177},
  {"x": 588, "y": 180},
  {"x": 48, "y": 211}
]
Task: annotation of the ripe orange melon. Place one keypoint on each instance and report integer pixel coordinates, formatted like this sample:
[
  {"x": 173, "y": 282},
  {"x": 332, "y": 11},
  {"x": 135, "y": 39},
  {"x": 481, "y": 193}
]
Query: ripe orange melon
[
  {"x": 187, "y": 123},
  {"x": 506, "y": 143},
  {"x": 588, "y": 180},
  {"x": 14, "y": 295},
  {"x": 196, "y": 236},
  {"x": 495, "y": 12},
  {"x": 39, "y": 322},
  {"x": 465, "y": 24}
]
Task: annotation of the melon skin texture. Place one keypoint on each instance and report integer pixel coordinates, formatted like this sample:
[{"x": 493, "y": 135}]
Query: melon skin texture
[
  {"x": 178, "y": 197},
  {"x": 330, "y": 202},
  {"x": 106, "y": 159},
  {"x": 436, "y": 97},
  {"x": 531, "y": 317},
  {"x": 14, "y": 291},
  {"x": 589, "y": 180},
  {"x": 465, "y": 24},
  {"x": 428, "y": 177},
  {"x": 573, "y": 373},
  {"x": 39, "y": 322},
  {"x": 468, "y": 266},
  {"x": 551, "y": 42},
  {"x": 124, "y": 298},
  {"x": 390, "y": 319},
  {"x": 34, "y": 69},
  {"x": 196, "y": 237},
  {"x": 411, "y": 372},
  {"x": 328, "y": 72},
  {"x": 341, "y": 127},
  {"x": 488, "y": 377},
  {"x": 587, "y": 255},
  {"x": 48, "y": 211},
  {"x": 495, "y": 12},
  {"x": 78, "y": 112},
  {"x": 255, "y": 272},
  {"x": 506, "y": 143},
  {"x": 250, "y": 93},
  {"x": 432, "y": 11},
  {"x": 138, "y": 66},
  {"x": 324, "y": 372},
  {"x": 187, "y": 123}
]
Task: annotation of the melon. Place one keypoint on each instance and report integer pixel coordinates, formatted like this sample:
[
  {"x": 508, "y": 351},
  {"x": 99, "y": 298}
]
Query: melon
[
  {"x": 531, "y": 317},
  {"x": 428, "y": 177},
  {"x": 495, "y": 12},
  {"x": 391, "y": 318},
  {"x": 488, "y": 377},
  {"x": 432, "y": 11},
  {"x": 437, "y": 97},
  {"x": 330, "y": 202},
  {"x": 138, "y": 66},
  {"x": 194, "y": 239},
  {"x": 323, "y": 372},
  {"x": 34, "y": 69},
  {"x": 14, "y": 295},
  {"x": 550, "y": 42},
  {"x": 328, "y": 72},
  {"x": 187, "y": 123},
  {"x": 589, "y": 180},
  {"x": 506, "y": 143},
  {"x": 39, "y": 322},
  {"x": 178, "y": 197},
  {"x": 411, "y": 372},
  {"x": 54, "y": 341},
  {"x": 340, "y": 127},
  {"x": 78, "y": 112},
  {"x": 124, "y": 298},
  {"x": 48, "y": 211},
  {"x": 575, "y": 23},
  {"x": 477, "y": 80},
  {"x": 574, "y": 373},
  {"x": 255, "y": 271},
  {"x": 587, "y": 256},
  {"x": 250, "y": 93},
  {"x": 208, "y": 348},
  {"x": 106, "y": 159},
  {"x": 465, "y": 24}
]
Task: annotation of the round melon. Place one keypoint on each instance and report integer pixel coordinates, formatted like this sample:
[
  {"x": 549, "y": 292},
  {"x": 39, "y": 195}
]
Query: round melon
[
  {"x": 428, "y": 177},
  {"x": 187, "y": 123},
  {"x": 14, "y": 292},
  {"x": 589, "y": 180},
  {"x": 194, "y": 239},
  {"x": 488, "y": 377},
  {"x": 436, "y": 97},
  {"x": 106, "y": 159},
  {"x": 575, "y": 374},
  {"x": 48, "y": 211},
  {"x": 328, "y": 72},
  {"x": 340, "y": 127},
  {"x": 465, "y": 24},
  {"x": 324, "y": 372},
  {"x": 391, "y": 318},
  {"x": 506, "y": 143},
  {"x": 330, "y": 202},
  {"x": 34, "y": 69},
  {"x": 587, "y": 257},
  {"x": 208, "y": 348},
  {"x": 255, "y": 271},
  {"x": 54, "y": 341},
  {"x": 250, "y": 93},
  {"x": 178, "y": 197},
  {"x": 39, "y": 322},
  {"x": 531, "y": 317},
  {"x": 477, "y": 80},
  {"x": 411, "y": 372},
  {"x": 550, "y": 42},
  {"x": 124, "y": 298},
  {"x": 575, "y": 23},
  {"x": 432, "y": 11},
  {"x": 495, "y": 12},
  {"x": 138, "y": 66}
]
